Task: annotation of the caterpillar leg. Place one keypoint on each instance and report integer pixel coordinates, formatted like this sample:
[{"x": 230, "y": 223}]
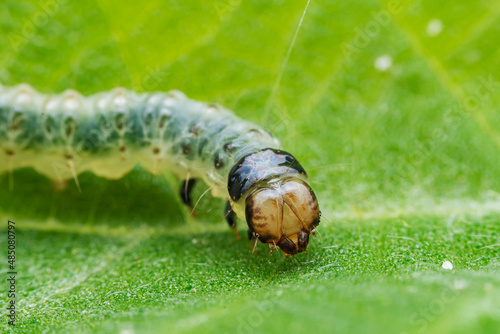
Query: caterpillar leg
[
  {"x": 185, "y": 192},
  {"x": 231, "y": 219},
  {"x": 252, "y": 237}
]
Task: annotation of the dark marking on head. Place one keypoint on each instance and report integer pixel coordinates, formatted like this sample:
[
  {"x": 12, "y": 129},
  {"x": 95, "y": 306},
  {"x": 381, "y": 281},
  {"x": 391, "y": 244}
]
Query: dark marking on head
[
  {"x": 122, "y": 148},
  {"x": 260, "y": 238},
  {"x": 9, "y": 152},
  {"x": 249, "y": 212},
  {"x": 287, "y": 246},
  {"x": 156, "y": 150},
  {"x": 317, "y": 220},
  {"x": 259, "y": 225},
  {"x": 303, "y": 240},
  {"x": 68, "y": 156}
]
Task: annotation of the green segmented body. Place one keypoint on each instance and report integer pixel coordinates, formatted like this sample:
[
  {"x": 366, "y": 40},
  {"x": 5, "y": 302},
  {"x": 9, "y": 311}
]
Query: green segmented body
[{"x": 109, "y": 133}]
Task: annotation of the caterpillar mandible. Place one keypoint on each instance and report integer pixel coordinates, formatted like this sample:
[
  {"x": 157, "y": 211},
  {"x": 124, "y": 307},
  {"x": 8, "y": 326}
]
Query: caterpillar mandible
[{"x": 109, "y": 133}]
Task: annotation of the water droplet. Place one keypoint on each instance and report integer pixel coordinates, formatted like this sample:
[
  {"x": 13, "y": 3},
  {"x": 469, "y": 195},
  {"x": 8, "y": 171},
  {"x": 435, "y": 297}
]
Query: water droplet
[
  {"x": 447, "y": 265},
  {"x": 434, "y": 27},
  {"x": 383, "y": 63},
  {"x": 127, "y": 331}
]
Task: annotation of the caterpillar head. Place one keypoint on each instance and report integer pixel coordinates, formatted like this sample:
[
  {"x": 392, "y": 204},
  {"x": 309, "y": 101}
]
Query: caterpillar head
[
  {"x": 282, "y": 212},
  {"x": 270, "y": 190}
]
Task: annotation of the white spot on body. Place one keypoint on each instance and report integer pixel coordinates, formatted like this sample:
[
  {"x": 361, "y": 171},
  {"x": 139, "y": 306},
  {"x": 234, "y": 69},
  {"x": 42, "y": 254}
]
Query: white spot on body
[
  {"x": 212, "y": 109},
  {"x": 100, "y": 103},
  {"x": 71, "y": 103},
  {"x": 50, "y": 105},
  {"x": 120, "y": 100},
  {"x": 383, "y": 63},
  {"x": 24, "y": 96},
  {"x": 447, "y": 265},
  {"x": 434, "y": 27},
  {"x": 169, "y": 102},
  {"x": 71, "y": 100}
]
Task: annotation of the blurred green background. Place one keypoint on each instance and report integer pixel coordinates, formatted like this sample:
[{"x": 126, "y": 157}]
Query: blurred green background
[{"x": 391, "y": 105}]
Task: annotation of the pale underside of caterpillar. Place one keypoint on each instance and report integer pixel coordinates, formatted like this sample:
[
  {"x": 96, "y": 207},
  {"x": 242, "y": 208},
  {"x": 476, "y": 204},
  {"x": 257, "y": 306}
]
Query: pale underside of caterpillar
[{"x": 109, "y": 133}]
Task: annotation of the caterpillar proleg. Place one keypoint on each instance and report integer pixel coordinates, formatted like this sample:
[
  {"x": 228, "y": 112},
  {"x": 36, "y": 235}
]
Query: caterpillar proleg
[{"x": 109, "y": 133}]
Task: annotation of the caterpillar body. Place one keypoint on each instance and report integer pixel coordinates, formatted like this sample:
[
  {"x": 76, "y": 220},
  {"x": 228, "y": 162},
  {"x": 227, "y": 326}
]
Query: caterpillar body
[{"x": 109, "y": 133}]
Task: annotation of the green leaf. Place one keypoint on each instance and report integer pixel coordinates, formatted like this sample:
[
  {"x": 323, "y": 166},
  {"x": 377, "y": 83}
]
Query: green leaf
[{"x": 392, "y": 107}]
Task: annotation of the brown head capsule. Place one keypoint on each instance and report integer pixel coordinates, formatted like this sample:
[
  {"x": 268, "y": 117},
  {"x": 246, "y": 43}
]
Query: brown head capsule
[{"x": 279, "y": 206}]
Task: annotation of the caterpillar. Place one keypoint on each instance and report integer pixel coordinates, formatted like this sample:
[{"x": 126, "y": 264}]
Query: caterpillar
[{"x": 109, "y": 133}]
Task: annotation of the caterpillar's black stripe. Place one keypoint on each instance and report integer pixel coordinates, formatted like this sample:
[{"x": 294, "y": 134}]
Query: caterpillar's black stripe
[{"x": 259, "y": 166}]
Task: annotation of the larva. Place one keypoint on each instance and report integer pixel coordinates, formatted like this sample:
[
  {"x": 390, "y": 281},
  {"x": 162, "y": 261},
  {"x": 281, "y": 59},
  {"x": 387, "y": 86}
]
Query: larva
[{"x": 109, "y": 133}]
